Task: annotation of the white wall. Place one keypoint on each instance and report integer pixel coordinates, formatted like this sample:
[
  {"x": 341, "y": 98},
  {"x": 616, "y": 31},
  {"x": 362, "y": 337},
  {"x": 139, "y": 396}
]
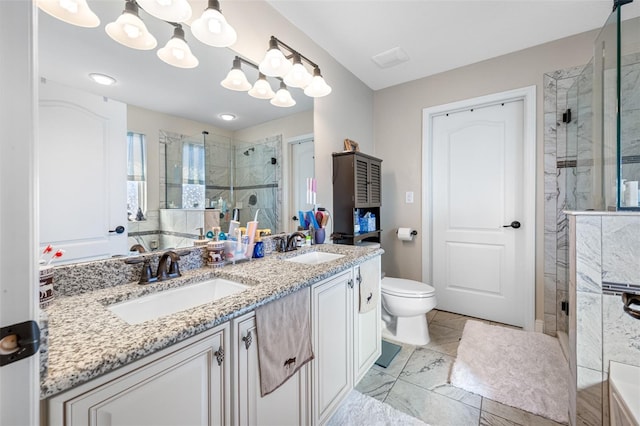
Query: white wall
[{"x": 398, "y": 139}]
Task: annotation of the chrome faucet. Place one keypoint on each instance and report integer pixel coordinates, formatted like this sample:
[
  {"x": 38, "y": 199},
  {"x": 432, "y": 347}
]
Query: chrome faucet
[
  {"x": 174, "y": 268},
  {"x": 291, "y": 241}
]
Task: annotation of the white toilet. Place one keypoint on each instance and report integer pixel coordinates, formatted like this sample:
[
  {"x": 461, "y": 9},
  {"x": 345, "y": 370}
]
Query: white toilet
[{"x": 405, "y": 304}]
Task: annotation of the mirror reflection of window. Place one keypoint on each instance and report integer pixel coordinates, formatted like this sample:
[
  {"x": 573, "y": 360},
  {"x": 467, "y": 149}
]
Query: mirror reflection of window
[
  {"x": 193, "y": 184},
  {"x": 136, "y": 176}
]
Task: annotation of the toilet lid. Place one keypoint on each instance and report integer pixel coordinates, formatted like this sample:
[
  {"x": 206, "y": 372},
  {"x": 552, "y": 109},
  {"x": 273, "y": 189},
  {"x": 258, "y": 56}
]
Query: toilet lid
[{"x": 403, "y": 287}]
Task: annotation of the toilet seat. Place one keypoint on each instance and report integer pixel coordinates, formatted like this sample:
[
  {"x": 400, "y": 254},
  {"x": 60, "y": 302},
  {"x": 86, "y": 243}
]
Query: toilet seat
[{"x": 406, "y": 288}]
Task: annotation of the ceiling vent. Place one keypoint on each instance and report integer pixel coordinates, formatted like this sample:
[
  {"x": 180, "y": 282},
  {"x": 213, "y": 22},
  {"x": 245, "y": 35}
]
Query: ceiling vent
[{"x": 391, "y": 57}]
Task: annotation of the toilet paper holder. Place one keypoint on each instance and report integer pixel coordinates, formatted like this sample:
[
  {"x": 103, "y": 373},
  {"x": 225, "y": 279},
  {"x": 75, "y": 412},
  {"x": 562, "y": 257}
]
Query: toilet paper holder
[{"x": 414, "y": 232}]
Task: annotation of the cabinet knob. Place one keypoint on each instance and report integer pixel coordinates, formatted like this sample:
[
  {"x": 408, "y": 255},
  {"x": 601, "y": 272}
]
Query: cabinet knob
[
  {"x": 219, "y": 355},
  {"x": 247, "y": 340}
]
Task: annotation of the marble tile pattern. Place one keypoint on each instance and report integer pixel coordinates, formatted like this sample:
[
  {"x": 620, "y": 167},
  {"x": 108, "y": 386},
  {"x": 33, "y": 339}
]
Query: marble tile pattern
[
  {"x": 416, "y": 382},
  {"x": 86, "y": 340},
  {"x": 607, "y": 248}
]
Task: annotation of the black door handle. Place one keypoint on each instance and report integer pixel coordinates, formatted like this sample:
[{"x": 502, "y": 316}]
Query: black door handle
[
  {"x": 294, "y": 218},
  {"x": 515, "y": 225},
  {"x": 119, "y": 230}
]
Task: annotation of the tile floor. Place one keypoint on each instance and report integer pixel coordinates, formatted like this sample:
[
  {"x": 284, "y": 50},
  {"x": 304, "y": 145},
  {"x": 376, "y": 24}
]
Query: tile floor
[{"x": 416, "y": 383}]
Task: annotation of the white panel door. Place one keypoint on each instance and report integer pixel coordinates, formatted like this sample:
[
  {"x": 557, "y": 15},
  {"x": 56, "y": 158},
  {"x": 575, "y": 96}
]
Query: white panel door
[
  {"x": 478, "y": 263},
  {"x": 82, "y": 172},
  {"x": 19, "y": 381},
  {"x": 367, "y": 340}
]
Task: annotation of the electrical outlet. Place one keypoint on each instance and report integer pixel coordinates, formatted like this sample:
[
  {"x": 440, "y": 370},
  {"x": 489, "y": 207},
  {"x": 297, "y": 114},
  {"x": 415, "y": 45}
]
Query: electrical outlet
[{"x": 408, "y": 197}]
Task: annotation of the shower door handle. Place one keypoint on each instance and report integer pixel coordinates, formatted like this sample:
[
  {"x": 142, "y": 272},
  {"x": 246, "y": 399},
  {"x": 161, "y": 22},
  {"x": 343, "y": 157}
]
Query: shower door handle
[{"x": 515, "y": 225}]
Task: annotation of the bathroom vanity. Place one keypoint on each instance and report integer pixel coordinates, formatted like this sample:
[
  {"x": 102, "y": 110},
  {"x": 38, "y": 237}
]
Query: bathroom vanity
[{"x": 200, "y": 366}]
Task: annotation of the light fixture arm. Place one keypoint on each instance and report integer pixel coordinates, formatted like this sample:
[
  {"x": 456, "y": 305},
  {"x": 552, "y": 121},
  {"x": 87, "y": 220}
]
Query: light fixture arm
[{"x": 275, "y": 42}]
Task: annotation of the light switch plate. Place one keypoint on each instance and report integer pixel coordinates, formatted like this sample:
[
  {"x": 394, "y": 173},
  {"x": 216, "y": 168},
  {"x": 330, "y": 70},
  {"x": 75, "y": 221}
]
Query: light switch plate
[{"x": 409, "y": 197}]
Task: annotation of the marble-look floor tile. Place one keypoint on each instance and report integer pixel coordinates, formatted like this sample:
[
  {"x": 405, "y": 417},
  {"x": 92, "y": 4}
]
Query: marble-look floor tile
[
  {"x": 488, "y": 419},
  {"x": 515, "y": 415},
  {"x": 444, "y": 339},
  {"x": 458, "y": 394},
  {"x": 427, "y": 369},
  {"x": 430, "y": 407},
  {"x": 430, "y": 315},
  {"x": 399, "y": 361},
  {"x": 376, "y": 384}
]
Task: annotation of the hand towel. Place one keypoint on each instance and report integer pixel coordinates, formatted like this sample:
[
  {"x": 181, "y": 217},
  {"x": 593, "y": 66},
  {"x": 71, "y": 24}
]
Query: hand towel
[
  {"x": 369, "y": 294},
  {"x": 284, "y": 339}
]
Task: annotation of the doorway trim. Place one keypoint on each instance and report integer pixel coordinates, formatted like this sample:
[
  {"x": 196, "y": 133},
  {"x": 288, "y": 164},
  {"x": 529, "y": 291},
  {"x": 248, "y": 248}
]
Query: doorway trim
[
  {"x": 286, "y": 205},
  {"x": 528, "y": 96}
]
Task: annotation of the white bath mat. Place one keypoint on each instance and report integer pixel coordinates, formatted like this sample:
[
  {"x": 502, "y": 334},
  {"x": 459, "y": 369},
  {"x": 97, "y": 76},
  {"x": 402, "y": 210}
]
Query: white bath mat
[
  {"x": 521, "y": 369},
  {"x": 362, "y": 410}
]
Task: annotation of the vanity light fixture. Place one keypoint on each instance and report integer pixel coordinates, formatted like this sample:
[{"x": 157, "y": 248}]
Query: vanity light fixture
[
  {"x": 74, "y": 12},
  {"x": 212, "y": 28},
  {"x": 274, "y": 64},
  {"x": 176, "y": 52},
  {"x": 283, "y": 97},
  {"x": 261, "y": 88},
  {"x": 167, "y": 10},
  {"x": 298, "y": 76},
  {"x": 318, "y": 87},
  {"x": 236, "y": 79},
  {"x": 129, "y": 30},
  {"x": 102, "y": 79}
]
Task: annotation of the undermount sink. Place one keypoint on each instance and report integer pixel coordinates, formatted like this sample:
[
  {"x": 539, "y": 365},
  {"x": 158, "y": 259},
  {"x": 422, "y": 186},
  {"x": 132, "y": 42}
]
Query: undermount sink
[
  {"x": 157, "y": 305},
  {"x": 314, "y": 257}
]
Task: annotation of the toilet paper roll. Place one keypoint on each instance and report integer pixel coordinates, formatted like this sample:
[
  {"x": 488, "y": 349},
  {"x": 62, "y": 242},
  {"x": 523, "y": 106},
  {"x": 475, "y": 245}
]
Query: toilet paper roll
[{"x": 405, "y": 234}]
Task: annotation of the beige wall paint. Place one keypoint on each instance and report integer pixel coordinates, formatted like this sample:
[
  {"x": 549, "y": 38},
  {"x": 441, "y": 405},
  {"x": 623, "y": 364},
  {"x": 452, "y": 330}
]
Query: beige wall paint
[{"x": 398, "y": 139}]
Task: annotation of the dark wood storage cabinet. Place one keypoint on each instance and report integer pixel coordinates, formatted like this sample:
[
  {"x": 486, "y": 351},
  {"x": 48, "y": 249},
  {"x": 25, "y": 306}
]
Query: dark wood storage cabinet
[{"x": 357, "y": 184}]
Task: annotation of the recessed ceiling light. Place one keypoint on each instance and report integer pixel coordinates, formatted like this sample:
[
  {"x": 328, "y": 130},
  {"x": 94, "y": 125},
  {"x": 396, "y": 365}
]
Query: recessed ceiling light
[
  {"x": 103, "y": 79},
  {"x": 227, "y": 117}
]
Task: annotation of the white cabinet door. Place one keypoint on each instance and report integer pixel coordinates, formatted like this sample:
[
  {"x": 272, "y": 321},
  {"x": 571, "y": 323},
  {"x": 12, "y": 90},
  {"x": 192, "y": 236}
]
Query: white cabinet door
[
  {"x": 186, "y": 387},
  {"x": 82, "y": 172},
  {"x": 367, "y": 341},
  {"x": 332, "y": 374},
  {"x": 287, "y": 405}
]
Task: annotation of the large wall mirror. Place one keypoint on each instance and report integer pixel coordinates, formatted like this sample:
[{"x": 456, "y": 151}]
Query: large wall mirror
[{"x": 178, "y": 112}]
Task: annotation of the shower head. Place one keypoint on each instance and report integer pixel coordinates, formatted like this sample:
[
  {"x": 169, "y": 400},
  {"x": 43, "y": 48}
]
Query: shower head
[{"x": 247, "y": 151}]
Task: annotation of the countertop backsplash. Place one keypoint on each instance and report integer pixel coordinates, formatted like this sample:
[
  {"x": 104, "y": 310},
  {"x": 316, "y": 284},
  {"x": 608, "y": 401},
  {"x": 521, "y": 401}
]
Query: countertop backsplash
[{"x": 78, "y": 278}]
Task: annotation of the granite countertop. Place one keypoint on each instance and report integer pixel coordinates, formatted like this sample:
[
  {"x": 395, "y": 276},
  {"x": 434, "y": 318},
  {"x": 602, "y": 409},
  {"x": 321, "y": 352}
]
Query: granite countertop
[{"x": 85, "y": 340}]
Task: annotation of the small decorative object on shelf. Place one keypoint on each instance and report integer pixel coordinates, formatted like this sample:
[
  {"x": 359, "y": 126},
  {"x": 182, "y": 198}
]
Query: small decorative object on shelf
[{"x": 350, "y": 145}]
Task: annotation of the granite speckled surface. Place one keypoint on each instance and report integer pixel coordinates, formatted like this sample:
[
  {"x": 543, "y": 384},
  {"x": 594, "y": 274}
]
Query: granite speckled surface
[{"x": 85, "y": 340}]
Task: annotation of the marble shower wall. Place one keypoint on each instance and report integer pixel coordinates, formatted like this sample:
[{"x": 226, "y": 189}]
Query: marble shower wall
[
  {"x": 559, "y": 175},
  {"x": 258, "y": 181},
  {"x": 605, "y": 254}
]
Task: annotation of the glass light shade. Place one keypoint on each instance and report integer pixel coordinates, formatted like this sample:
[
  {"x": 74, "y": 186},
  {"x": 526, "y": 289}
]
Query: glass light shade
[
  {"x": 130, "y": 31},
  {"x": 262, "y": 89},
  {"x": 275, "y": 64},
  {"x": 298, "y": 76},
  {"x": 212, "y": 28},
  {"x": 74, "y": 12},
  {"x": 236, "y": 80},
  {"x": 177, "y": 53},
  {"x": 167, "y": 10},
  {"x": 283, "y": 98},
  {"x": 318, "y": 87}
]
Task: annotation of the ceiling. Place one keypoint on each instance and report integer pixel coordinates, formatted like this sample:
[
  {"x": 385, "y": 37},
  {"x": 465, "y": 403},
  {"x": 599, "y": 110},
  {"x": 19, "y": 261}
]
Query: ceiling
[{"x": 436, "y": 35}]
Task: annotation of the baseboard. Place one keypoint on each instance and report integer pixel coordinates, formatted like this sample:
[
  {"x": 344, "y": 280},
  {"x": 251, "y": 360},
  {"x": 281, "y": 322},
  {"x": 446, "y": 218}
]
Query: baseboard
[{"x": 539, "y": 326}]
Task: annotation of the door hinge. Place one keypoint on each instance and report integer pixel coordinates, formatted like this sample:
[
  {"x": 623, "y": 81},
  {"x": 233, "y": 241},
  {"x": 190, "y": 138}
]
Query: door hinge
[
  {"x": 564, "y": 305},
  {"x": 18, "y": 341}
]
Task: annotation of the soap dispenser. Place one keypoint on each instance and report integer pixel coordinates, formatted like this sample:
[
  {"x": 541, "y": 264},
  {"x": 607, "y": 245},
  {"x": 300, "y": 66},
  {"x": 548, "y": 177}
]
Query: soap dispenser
[{"x": 201, "y": 241}]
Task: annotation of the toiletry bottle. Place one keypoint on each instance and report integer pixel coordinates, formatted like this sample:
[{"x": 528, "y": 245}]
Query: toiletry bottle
[{"x": 201, "y": 241}]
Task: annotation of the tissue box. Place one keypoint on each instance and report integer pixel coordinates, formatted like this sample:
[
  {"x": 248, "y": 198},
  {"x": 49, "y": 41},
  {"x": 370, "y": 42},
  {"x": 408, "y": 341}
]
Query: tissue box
[
  {"x": 364, "y": 224},
  {"x": 371, "y": 225}
]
